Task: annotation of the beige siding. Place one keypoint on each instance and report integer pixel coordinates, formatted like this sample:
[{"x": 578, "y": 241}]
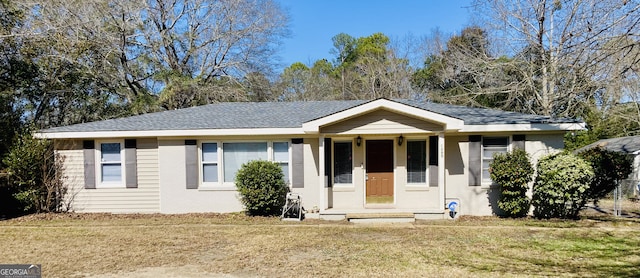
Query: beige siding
[
  {"x": 482, "y": 200},
  {"x": 310, "y": 194},
  {"x": 144, "y": 199},
  {"x": 413, "y": 198},
  {"x": 176, "y": 198},
  {"x": 539, "y": 145},
  {"x": 381, "y": 120},
  {"x": 474, "y": 200}
]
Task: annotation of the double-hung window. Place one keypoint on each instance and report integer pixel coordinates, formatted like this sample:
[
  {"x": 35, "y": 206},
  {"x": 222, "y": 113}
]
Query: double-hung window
[
  {"x": 281, "y": 156},
  {"x": 209, "y": 162},
  {"x": 110, "y": 164},
  {"x": 220, "y": 161},
  {"x": 417, "y": 161},
  {"x": 342, "y": 163},
  {"x": 491, "y": 146}
]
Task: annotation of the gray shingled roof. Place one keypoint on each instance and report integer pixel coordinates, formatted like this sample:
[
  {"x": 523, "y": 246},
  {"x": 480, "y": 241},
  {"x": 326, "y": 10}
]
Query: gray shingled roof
[
  {"x": 629, "y": 144},
  {"x": 242, "y": 115}
]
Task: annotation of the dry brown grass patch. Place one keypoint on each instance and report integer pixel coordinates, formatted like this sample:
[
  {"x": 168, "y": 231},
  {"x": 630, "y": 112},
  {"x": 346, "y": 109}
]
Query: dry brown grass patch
[{"x": 237, "y": 245}]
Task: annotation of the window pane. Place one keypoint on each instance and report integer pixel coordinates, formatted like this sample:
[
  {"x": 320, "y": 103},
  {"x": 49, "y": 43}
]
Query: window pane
[
  {"x": 280, "y": 151},
  {"x": 485, "y": 175},
  {"x": 490, "y": 151},
  {"x": 210, "y": 152},
  {"x": 491, "y": 146},
  {"x": 285, "y": 171},
  {"x": 210, "y": 172},
  {"x": 110, "y": 151},
  {"x": 416, "y": 162},
  {"x": 235, "y": 154},
  {"x": 342, "y": 162},
  {"x": 111, "y": 172},
  {"x": 495, "y": 141}
]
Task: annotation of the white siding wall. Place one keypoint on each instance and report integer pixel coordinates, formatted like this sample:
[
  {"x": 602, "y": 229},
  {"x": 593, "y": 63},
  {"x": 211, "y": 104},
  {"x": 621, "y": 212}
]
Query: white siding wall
[
  {"x": 406, "y": 197},
  {"x": 480, "y": 200},
  {"x": 310, "y": 193},
  {"x": 351, "y": 197},
  {"x": 144, "y": 199},
  {"x": 162, "y": 181},
  {"x": 174, "y": 195},
  {"x": 422, "y": 198}
]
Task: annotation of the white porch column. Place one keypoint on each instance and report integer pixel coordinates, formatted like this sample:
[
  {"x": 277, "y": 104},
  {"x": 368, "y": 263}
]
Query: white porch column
[
  {"x": 441, "y": 172},
  {"x": 321, "y": 177}
]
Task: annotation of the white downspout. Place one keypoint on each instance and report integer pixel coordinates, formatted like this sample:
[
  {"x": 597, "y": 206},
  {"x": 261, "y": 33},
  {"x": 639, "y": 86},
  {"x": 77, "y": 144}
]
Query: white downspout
[
  {"x": 441, "y": 172},
  {"x": 321, "y": 176}
]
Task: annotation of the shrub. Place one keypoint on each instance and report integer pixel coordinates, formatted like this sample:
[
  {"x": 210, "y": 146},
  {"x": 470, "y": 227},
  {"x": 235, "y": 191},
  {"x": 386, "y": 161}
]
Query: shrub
[
  {"x": 609, "y": 168},
  {"x": 561, "y": 185},
  {"x": 35, "y": 174},
  {"x": 261, "y": 187},
  {"x": 513, "y": 172}
]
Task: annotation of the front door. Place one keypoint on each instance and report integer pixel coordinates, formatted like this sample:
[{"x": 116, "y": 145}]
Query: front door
[{"x": 379, "y": 176}]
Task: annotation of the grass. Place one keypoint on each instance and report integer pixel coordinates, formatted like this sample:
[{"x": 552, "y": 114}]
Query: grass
[{"x": 69, "y": 245}]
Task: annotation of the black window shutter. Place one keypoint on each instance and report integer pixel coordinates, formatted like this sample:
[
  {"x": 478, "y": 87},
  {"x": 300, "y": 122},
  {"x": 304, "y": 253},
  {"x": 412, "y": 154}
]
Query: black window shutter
[
  {"x": 327, "y": 163},
  {"x": 297, "y": 163},
  {"x": 88, "y": 147},
  {"x": 433, "y": 161},
  {"x": 519, "y": 141},
  {"x": 131, "y": 163},
  {"x": 475, "y": 160},
  {"x": 191, "y": 163}
]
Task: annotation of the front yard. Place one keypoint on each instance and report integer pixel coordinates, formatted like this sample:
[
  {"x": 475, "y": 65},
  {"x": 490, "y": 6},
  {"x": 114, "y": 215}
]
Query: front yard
[{"x": 206, "y": 245}]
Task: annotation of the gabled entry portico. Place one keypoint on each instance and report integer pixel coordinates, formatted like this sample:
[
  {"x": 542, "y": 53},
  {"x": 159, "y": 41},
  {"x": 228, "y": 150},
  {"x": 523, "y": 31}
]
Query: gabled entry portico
[{"x": 394, "y": 156}]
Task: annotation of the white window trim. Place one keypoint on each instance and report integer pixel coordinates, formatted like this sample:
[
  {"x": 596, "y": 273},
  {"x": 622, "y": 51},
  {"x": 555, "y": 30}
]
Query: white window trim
[
  {"x": 98, "y": 165},
  {"x": 221, "y": 184},
  {"x": 333, "y": 161},
  {"x": 203, "y": 184},
  {"x": 414, "y": 185},
  {"x": 289, "y": 157},
  {"x": 490, "y": 183}
]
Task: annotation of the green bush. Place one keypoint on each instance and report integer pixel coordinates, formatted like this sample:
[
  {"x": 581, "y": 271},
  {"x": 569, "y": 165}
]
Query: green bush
[
  {"x": 609, "y": 168},
  {"x": 261, "y": 187},
  {"x": 561, "y": 185},
  {"x": 35, "y": 174},
  {"x": 513, "y": 172}
]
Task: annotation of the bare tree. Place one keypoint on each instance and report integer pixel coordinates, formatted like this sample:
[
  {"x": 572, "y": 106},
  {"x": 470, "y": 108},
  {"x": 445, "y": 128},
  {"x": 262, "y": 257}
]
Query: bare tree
[
  {"x": 135, "y": 52},
  {"x": 566, "y": 46}
]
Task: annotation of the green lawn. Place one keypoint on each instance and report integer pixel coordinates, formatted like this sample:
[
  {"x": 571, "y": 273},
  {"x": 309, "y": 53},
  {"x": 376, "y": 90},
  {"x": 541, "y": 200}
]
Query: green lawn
[{"x": 204, "y": 245}]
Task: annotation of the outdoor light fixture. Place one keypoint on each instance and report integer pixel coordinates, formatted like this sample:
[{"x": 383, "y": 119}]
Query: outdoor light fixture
[
  {"x": 358, "y": 141},
  {"x": 400, "y": 140}
]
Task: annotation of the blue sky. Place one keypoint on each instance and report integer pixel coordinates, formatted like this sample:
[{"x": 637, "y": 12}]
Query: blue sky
[{"x": 314, "y": 23}]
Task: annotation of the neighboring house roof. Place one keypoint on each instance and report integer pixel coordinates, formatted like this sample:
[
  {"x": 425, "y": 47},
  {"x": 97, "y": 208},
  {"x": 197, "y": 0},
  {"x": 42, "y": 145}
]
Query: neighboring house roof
[
  {"x": 629, "y": 144},
  {"x": 286, "y": 115}
]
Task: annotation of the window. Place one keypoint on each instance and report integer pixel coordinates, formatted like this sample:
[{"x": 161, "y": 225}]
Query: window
[
  {"x": 416, "y": 161},
  {"x": 209, "y": 162},
  {"x": 236, "y": 154},
  {"x": 220, "y": 161},
  {"x": 342, "y": 163},
  {"x": 490, "y": 146},
  {"x": 110, "y": 164},
  {"x": 281, "y": 156}
]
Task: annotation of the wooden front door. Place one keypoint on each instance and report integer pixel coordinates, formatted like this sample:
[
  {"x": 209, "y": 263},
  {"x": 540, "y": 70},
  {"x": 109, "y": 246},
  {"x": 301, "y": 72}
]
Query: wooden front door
[{"x": 379, "y": 176}]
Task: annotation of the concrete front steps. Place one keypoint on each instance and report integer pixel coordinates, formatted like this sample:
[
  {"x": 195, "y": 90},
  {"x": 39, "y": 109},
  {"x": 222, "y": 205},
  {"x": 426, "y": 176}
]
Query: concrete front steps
[
  {"x": 381, "y": 215},
  {"x": 396, "y": 217}
]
